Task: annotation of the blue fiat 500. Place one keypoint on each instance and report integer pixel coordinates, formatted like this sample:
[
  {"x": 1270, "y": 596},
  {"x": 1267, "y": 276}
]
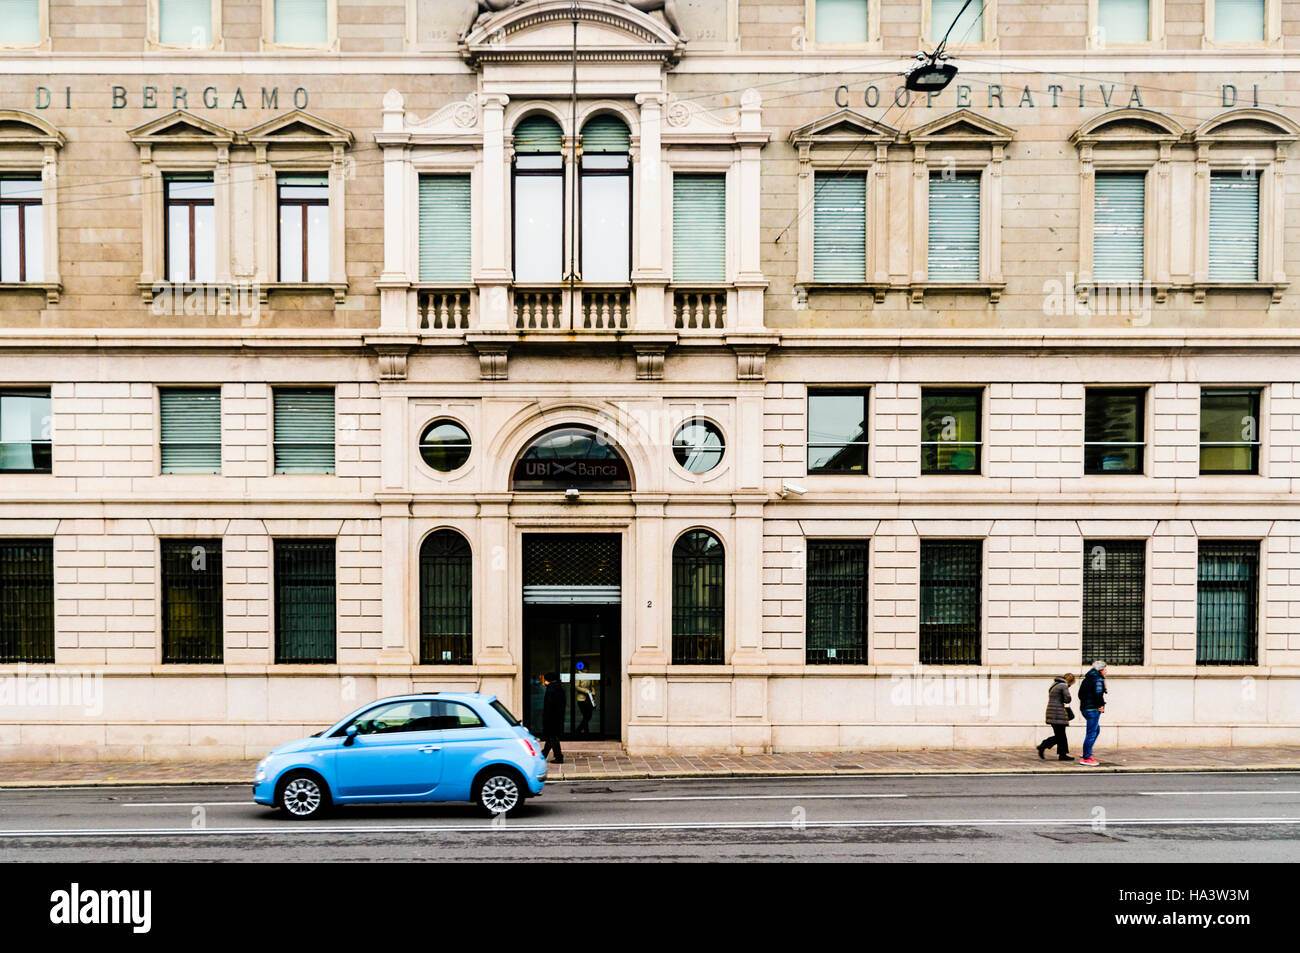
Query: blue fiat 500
[{"x": 439, "y": 746}]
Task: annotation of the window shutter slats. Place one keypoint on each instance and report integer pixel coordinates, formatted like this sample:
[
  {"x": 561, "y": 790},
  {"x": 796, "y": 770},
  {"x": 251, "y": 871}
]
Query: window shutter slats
[
  {"x": 444, "y": 228},
  {"x": 304, "y": 431},
  {"x": 1234, "y": 227},
  {"x": 1119, "y": 217},
  {"x": 190, "y": 430},
  {"x": 954, "y": 228},
  {"x": 840, "y": 227},
  {"x": 538, "y": 134},
  {"x": 699, "y": 228},
  {"x": 605, "y": 134}
]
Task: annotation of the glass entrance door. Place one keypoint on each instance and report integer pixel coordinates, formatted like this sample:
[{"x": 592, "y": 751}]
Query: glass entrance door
[{"x": 580, "y": 643}]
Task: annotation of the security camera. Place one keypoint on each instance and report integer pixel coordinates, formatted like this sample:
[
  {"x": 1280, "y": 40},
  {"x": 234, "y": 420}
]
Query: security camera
[
  {"x": 571, "y": 495},
  {"x": 787, "y": 488}
]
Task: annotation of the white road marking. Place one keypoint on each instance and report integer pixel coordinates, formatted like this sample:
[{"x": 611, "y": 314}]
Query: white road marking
[
  {"x": 181, "y": 803},
  {"x": 486, "y": 827},
  {"x": 1200, "y": 793},
  {"x": 763, "y": 797}
]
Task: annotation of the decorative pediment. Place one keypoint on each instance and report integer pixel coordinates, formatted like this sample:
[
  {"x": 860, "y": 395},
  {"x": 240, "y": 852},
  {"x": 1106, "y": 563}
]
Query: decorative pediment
[
  {"x": 843, "y": 127},
  {"x": 298, "y": 128},
  {"x": 21, "y": 128},
  {"x": 963, "y": 125},
  {"x": 1247, "y": 125},
  {"x": 1128, "y": 125},
  {"x": 182, "y": 128},
  {"x": 540, "y": 31},
  {"x": 454, "y": 119}
]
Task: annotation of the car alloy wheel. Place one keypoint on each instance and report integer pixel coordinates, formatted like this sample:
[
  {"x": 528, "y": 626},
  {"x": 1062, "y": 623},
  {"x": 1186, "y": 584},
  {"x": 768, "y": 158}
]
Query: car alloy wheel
[
  {"x": 499, "y": 794},
  {"x": 302, "y": 797}
]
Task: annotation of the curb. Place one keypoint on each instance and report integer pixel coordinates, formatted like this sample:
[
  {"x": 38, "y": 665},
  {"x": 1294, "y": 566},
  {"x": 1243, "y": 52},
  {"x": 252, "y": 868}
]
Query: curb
[{"x": 1289, "y": 766}]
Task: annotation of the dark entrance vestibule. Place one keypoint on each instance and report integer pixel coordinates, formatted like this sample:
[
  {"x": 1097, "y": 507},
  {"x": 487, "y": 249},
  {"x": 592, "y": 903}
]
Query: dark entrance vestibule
[{"x": 572, "y": 627}]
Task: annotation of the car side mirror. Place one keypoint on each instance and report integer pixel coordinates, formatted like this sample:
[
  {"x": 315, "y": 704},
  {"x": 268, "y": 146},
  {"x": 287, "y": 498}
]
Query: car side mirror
[{"x": 351, "y": 733}]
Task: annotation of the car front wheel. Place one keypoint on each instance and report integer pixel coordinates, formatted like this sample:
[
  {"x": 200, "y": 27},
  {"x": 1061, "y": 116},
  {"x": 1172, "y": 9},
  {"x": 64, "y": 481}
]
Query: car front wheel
[
  {"x": 499, "y": 791},
  {"x": 303, "y": 796}
]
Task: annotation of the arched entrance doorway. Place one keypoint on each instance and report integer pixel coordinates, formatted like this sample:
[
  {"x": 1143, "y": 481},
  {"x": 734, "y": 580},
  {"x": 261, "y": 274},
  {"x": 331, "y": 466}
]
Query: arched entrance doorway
[{"x": 573, "y": 584}]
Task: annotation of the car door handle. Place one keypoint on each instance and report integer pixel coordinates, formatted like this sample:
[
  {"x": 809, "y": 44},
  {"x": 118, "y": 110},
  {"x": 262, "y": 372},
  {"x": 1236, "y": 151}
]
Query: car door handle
[{"x": 430, "y": 747}]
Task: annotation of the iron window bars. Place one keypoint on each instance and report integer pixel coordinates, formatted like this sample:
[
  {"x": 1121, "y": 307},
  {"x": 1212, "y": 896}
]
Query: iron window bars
[
  {"x": 836, "y": 602},
  {"x": 950, "y": 602},
  {"x": 1114, "y": 600}
]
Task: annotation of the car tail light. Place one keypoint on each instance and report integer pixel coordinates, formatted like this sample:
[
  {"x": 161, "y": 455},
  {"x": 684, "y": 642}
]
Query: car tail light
[{"x": 528, "y": 746}]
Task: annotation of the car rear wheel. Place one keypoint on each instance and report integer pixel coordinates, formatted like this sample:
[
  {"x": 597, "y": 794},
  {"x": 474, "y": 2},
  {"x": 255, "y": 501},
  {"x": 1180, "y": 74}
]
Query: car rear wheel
[
  {"x": 499, "y": 791},
  {"x": 303, "y": 796}
]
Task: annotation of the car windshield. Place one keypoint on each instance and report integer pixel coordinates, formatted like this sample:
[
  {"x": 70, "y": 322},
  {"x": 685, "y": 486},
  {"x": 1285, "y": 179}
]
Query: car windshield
[{"x": 504, "y": 712}]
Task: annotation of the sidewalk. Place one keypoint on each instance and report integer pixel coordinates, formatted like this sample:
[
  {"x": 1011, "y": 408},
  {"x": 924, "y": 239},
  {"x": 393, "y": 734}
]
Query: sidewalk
[{"x": 607, "y": 763}]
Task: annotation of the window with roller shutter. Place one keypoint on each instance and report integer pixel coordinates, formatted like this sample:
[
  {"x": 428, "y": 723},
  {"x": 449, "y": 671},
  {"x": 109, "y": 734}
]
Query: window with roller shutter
[
  {"x": 304, "y": 430},
  {"x": 445, "y": 229},
  {"x": 1234, "y": 226},
  {"x": 954, "y": 252},
  {"x": 840, "y": 227},
  {"x": 1119, "y": 220},
  {"x": 699, "y": 228},
  {"x": 189, "y": 432}
]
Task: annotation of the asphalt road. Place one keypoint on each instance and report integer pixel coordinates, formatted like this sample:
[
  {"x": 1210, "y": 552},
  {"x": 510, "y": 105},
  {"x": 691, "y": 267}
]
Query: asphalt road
[{"x": 1207, "y": 817}]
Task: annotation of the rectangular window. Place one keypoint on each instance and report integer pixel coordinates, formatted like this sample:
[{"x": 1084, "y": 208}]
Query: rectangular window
[
  {"x": 191, "y": 229},
  {"x": 947, "y": 18},
  {"x": 1118, "y": 231},
  {"x": 302, "y": 22},
  {"x": 27, "y": 600},
  {"x": 1240, "y": 21},
  {"x": 1123, "y": 21},
  {"x": 1114, "y": 424},
  {"x": 837, "y": 602},
  {"x": 839, "y": 226},
  {"x": 185, "y": 23},
  {"x": 20, "y": 22},
  {"x": 606, "y": 198},
  {"x": 22, "y": 230},
  {"x": 304, "y": 227},
  {"x": 837, "y": 431},
  {"x": 699, "y": 228},
  {"x": 950, "y": 430},
  {"x": 950, "y": 601},
  {"x": 840, "y": 21},
  {"x": 445, "y": 228},
  {"x": 304, "y": 600},
  {"x": 189, "y": 432},
  {"x": 1230, "y": 431},
  {"x": 539, "y": 218},
  {"x": 1227, "y": 600},
  {"x": 954, "y": 226},
  {"x": 1234, "y": 226},
  {"x": 1114, "y": 600},
  {"x": 192, "y": 604},
  {"x": 25, "y": 431},
  {"x": 304, "y": 430}
]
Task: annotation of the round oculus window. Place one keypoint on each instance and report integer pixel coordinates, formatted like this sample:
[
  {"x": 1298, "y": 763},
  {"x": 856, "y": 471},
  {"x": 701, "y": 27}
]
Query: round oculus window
[
  {"x": 698, "y": 446},
  {"x": 445, "y": 445}
]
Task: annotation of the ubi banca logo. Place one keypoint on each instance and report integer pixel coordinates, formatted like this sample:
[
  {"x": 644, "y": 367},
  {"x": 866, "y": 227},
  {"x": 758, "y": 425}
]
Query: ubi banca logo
[{"x": 77, "y": 906}]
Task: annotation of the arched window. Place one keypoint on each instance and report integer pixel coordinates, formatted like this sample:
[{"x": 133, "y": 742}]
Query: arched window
[
  {"x": 605, "y": 184},
  {"x": 699, "y": 600},
  {"x": 446, "y": 599},
  {"x": 538, "y": 201},
  {"x": 572, "y": 457}
]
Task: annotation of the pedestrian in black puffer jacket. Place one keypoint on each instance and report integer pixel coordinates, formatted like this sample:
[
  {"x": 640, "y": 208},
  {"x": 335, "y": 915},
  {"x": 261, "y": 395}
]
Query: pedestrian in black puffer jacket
[{"x": 1058, "y": 716}]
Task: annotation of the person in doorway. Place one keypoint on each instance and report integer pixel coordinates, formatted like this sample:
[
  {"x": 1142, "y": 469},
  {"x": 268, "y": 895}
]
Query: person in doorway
[
  {"x": 552, "y": 717},
  {"x": 1092, "y": 702},
  {"x": 1058, "y": 716},
  {"x": 586, "y": 697}
]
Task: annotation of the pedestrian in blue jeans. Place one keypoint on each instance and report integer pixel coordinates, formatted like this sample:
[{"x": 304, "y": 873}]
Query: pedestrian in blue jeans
[{"x": 1092, "y": 702}]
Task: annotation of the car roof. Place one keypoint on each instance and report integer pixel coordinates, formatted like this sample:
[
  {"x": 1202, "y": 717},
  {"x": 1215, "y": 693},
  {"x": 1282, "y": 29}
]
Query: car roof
[{"x": 448, "y": 696}]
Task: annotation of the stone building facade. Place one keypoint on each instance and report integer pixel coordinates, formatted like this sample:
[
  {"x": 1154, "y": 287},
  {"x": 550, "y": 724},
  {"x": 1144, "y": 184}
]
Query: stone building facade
[{"x": 439, "y": 302}]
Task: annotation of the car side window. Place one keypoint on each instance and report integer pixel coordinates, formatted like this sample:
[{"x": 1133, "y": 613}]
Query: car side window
[
  {"x": 449, "y": 715},
  {"x": 397, "y": 717}
]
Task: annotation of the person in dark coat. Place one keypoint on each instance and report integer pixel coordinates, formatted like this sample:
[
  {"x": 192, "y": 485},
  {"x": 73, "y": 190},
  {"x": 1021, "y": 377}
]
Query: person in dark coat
[
  {"x": 552, "y": 716},
  {"x": 1092, "y": 702},
  {"x": 1058, "y": 716}
]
